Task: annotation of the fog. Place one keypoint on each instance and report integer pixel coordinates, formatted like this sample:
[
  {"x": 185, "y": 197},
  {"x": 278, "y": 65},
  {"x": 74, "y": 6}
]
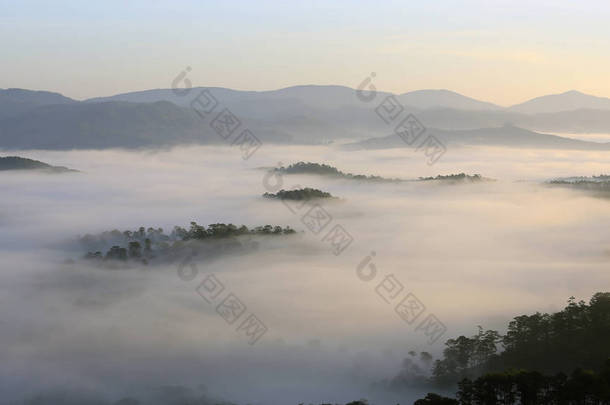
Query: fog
[
  {"x": 593, "y": 137},
  {"x": 474, "y": 254}
]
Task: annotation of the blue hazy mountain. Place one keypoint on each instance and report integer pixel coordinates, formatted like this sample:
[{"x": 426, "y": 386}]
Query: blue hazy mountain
[
  {"x": 17, "y": 101},
  {"x": 508, "y": 136},
  {"x": 299, "y": 114},
  {"x": 568, "y": 101}
]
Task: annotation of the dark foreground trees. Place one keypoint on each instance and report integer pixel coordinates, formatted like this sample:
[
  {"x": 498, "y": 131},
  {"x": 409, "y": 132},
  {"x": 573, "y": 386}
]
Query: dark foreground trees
[
  {"x": 576, "y": 337},
  {"x": 582, "y": 387},
  {"x": 561, "y": 358},
  {"x": 435, "y": 399}
]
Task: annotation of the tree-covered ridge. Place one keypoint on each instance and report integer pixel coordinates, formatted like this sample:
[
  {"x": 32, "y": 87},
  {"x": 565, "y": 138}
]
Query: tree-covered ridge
[
  {"x": 530, "y": 387},
  {"x": 529, "y": 364},
  {"x": 219, "y": 231},
  {"x": 600, "y": 184},
  {"x": 146, "y": 244},
  {"x": 602, "y": 178},
  {"x": 460, "y": 177},
  {"x": 327, "y": 170},
  {"x": 19, "y": 163},
  {"x": 577, "y": 336},
  {"x": 299, "y": 194}
]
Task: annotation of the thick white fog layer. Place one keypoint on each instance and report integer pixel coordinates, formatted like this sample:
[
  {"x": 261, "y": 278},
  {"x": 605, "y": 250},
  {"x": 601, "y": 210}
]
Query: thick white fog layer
[
  {"x": 474, "y": 254},
  {"x": 593, "y": 137}
]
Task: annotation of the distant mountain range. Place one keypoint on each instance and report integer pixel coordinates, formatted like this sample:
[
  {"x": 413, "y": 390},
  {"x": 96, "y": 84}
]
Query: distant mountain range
[
  {"x": 299, "y": 114},
  {"x": 100, "y": 125},
  {"x": 504, "y": 136},
  {"x": 341, "y": 96},
  {"x": 310, "y": 96}
]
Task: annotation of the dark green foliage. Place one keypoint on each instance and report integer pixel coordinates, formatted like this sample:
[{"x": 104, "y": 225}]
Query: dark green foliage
[
  {"x": 537, "y": 351},
  {"x": 532, "y": 388},
  {"x": 435, "y": 399},
  {"x": 299, "y": 194},
  {"x": 466, "y": 357},
  {"x": 19, "y": 163},
  {"x": 326, "y": 170},
  {"x": 460, "y": 177},
  {"x": 135, "y": 250},
  {"x": 116, "y": 253},
  {"x": 576, "y": 337},
  {"x": 219, "y": 231},
  {"x": 311, "y": 168},
  {"x": 156, "y": 242}
]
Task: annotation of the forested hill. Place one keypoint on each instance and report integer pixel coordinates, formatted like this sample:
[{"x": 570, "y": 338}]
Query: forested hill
[
  {"x": 19, "y": 163},
  {"x": 577, "y": 336},
  {"x": 558, "y": 358},
  {"x": 329, "y": 171},
  {"x": 150, "y": 245}
]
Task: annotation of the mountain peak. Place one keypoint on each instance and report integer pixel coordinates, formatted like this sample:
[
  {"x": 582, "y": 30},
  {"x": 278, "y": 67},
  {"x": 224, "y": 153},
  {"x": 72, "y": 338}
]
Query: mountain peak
[
  {"x": 16, "y": 101},
  {"x": 569, "y": 100},
  {"x": 574, "y": 92}
]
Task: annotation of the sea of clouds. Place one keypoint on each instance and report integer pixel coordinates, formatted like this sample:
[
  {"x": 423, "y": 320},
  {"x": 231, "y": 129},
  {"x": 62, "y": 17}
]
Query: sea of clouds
[{"x": 473, "y": 254}]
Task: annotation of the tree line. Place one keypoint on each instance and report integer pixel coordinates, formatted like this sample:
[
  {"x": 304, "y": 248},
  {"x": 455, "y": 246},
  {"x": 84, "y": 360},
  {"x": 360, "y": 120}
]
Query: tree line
[
  {"x": 530, "y": 363},
  {"x": 456, "y": 178},
  {"x": 581, "y": 387},
  {"x": 144, "y": 244},
  {"x": 300, "y": 194},
  {"x": 327, "y": 170}
]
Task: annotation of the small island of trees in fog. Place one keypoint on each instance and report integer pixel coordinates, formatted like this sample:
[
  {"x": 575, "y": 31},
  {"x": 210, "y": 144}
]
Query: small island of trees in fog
[
  {"x": 327, "y": 170},
  {"x": 144, "y": 245},
  {"x": 300, "y": 194}
]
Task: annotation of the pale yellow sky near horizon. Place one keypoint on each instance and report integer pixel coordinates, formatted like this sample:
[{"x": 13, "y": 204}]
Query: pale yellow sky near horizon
[{"x": 500, "y": 51}]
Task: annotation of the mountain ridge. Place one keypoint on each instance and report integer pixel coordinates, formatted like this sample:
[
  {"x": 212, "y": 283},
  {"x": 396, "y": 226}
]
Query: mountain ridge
[
  {"x": 20, "y": 163},
  {"x": 14, "y": 101},
  {"x": 506, "y": 136},
  {"x": 297, "y": 114},
  {"x": 344, "y": 95},
  {"x": 567, "y": 101}
]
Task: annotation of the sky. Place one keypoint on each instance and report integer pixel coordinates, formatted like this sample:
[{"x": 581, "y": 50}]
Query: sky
[{"x": 495, "y": 50}]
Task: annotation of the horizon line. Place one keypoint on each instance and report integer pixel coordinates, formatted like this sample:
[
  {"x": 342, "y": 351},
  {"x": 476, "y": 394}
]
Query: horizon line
[{"x": 314, "y": 85}]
